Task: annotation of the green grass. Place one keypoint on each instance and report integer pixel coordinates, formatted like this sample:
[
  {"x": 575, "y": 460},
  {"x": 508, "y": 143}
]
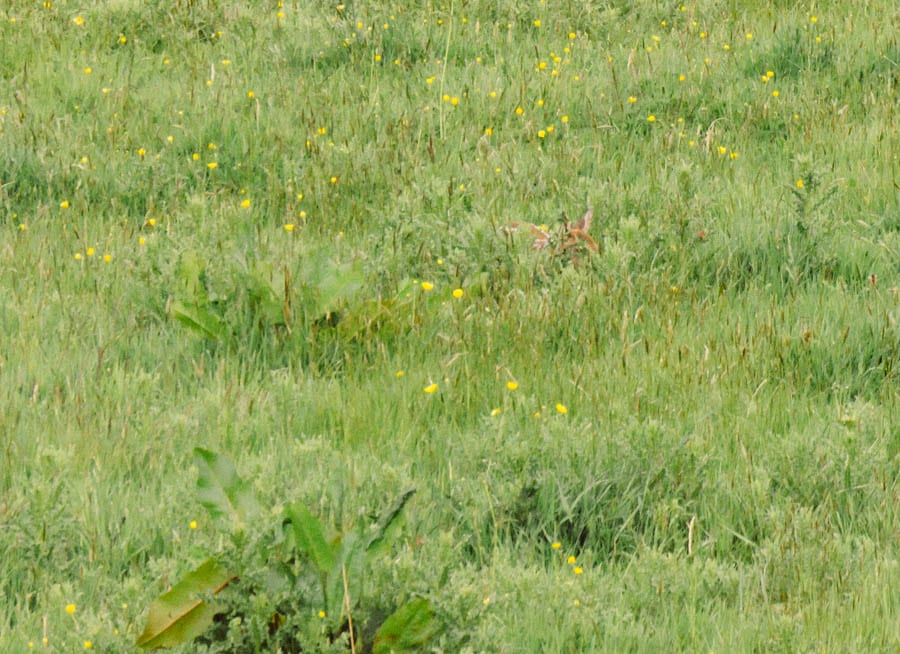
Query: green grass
[{"x": 730, "y": 360}]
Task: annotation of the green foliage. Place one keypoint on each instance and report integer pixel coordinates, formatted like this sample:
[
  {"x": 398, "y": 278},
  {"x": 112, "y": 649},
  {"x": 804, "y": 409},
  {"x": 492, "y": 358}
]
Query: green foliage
[
  {"x": 407, "y": 630},
  {"x": 228, "y": 499},
  {"x": 269, "y": 607},
  {"x": 250, "y": 302},
  {"x": 179, "y": 615},
  {"x": 309, "y": 538}
]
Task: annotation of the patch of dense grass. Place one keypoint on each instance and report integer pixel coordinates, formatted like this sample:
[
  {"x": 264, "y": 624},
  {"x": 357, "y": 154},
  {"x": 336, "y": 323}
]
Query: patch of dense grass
[{"x": 241, "y": 228}]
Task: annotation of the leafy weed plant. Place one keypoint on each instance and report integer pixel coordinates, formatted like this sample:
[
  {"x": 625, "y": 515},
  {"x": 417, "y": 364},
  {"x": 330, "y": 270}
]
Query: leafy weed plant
[{"x": 268, "y": 605}]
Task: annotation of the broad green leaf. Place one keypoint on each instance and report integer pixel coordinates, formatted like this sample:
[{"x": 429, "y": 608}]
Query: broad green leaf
[
  {"x": 383, "y": 528},
  {"x": 266, "y": 301},
  {"x": 198, "y": 319},
  {"x": 229, "y": 500},
  {"x": 180, "y": 615},
  {"x": 309, "y": 537},
  {"x": 407, "y": 630},
  {"x": 191, "y": 272},
  {"x": 352, "y": 563},
  {"x": 337, "y": 285}
]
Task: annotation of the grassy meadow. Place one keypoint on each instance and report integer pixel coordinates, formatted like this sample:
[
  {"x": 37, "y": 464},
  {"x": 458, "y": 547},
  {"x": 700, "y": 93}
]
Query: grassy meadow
[{"x": 281, "y": 232}]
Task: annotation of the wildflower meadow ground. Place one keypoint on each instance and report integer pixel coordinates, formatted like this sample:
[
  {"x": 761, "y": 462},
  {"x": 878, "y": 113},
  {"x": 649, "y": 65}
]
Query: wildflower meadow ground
[{"x": 333, "y": 247}]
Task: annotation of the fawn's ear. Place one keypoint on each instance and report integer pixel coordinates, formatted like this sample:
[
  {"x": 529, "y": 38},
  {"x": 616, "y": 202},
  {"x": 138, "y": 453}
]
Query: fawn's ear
[{"x": 585, "y": 223}]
